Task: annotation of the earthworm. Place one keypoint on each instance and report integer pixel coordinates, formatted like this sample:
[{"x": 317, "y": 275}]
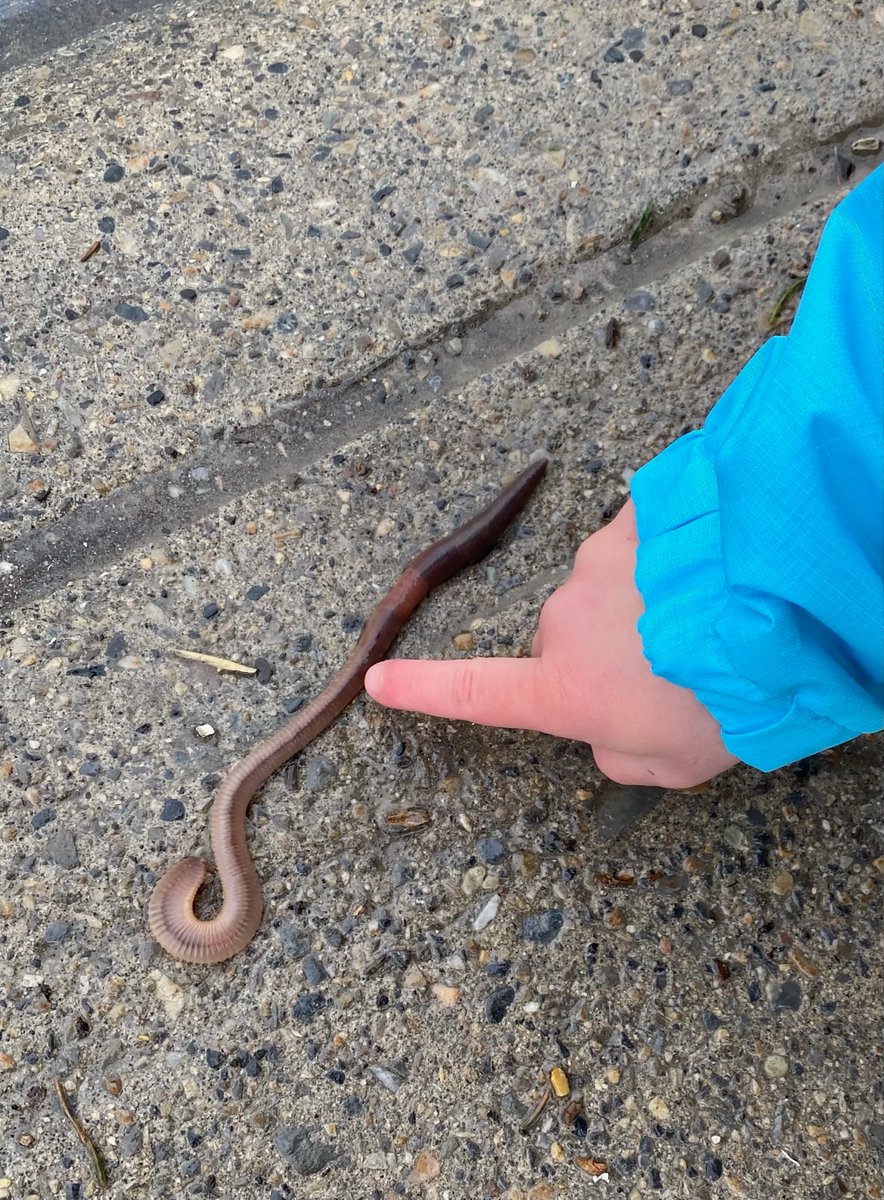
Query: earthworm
[{"x": 170, "y": 912}]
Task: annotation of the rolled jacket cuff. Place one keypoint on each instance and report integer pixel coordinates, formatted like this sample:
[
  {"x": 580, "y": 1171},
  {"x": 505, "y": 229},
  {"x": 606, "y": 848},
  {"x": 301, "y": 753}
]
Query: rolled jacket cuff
[{"x": 681, "y": 577}]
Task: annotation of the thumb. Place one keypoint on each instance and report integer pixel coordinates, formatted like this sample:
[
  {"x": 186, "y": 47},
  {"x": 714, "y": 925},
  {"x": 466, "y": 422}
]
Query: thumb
[{"x": 488, "y": 691}]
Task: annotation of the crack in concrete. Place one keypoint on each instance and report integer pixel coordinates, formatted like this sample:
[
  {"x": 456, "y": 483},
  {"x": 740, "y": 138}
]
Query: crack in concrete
[
  {"x": 32, "y": 30},
  {"x": 97, "y": 533}
]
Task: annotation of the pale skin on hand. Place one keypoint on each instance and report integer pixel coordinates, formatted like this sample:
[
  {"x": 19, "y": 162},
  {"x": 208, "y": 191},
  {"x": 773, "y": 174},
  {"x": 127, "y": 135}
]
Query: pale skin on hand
[{"x": 586, "y": 679}]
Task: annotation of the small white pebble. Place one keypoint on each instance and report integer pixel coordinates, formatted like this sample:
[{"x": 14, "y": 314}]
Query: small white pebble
[{"x": 487, "y": 913}]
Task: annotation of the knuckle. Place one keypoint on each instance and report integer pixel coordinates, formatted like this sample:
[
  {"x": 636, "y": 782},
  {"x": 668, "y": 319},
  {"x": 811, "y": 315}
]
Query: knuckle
[{"x": 463, "y": 688}]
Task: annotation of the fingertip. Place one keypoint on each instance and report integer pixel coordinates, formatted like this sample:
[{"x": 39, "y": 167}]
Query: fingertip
[{"x": 374, "y": 681}]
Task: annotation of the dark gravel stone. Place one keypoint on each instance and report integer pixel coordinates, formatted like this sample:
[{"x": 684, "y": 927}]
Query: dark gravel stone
[
  {"x": 246, "y": 1062},
  {"x": 844, "y": 168},
  {"x": 89, "y": 768},
  {"x": 287, "y": 322},
  {"x": 157, "y": 396},
  {"x": 480, "y": 240},
  {"x": 210, "y": 610},
  {"x": 172, "y": 810},
  {"x": 497, "y": 1003},
  {"x": 106, "y": 224},
  {"x": 412, "y": 253},
  {"x": 131, "y": 1142},
  {"x": 712, "y": 1167},
  {"x": 314, "y": 971},
  {"x": 640, "y": 302},
  {"x": 4, "y": 233},
  {"x": 43, "y": 817},
  {"x": 491, "y": 851},
  {"x": 309, "y": 1006},
  {"x": 484, "y": 114},
  {"x": 543, "y": 927},
  {"x": 187, "y": 294},
  {"x": 785, "y": 997},
  {"x": 705, "y": 292},
  {"x": 313, "y": 231},
  {"x": 710, "y": 1021},
  {"x": 633, "y": 37},
  {"x": 62, "y": 849},
  {"x": 613, "y": 55},
  {"x": 264, "y": 670},
  {"x": 319, "y": 773},
  {"x": 304, "y": 1156},
  {"x": 215, "y": 1059},
  {"x": 113, "y": 173},
  {"x": 699, "y": 30},
  {"x": 116, "y": 647},
  {"x": 498, "y": 968},
  {"x": 278, "y": 68},
  {"x": 257, "y": 591},
  {"x": 130, "y": 312},
  {"x": 874, "y": 1132},
  {"x": 276, "y": 185},
  {"x": 382, "y": 193},
  {"x": 454, "y": 281},
  {"x": 679, "y": 87},
  {"x": 401, "y": 874},
  {"x": 56, "y": 931}
]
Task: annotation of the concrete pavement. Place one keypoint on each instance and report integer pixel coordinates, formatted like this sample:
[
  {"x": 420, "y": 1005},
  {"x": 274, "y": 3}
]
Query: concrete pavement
[{"x": 286, "y": 293}]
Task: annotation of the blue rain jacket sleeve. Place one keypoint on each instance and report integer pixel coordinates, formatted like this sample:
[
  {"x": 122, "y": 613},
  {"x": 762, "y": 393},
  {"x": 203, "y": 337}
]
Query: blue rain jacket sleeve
[{"x": 761, "y": 535}]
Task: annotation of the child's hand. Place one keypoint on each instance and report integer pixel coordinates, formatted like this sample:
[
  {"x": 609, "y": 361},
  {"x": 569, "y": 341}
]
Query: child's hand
[{"x": 587, "y": 678}]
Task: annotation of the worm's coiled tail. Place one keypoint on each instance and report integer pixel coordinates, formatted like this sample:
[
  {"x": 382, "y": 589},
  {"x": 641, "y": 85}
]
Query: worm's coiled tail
[{"x": 170, "y": 913}]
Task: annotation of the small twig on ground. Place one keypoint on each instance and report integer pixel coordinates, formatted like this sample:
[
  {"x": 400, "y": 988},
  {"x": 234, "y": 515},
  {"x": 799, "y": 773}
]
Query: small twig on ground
[
  {"x": 782, "y": 300},
  {"x": 94, "y": 1157}
]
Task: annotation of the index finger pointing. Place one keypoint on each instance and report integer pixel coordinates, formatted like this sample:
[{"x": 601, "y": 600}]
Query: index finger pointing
[{"x": 487, "y": 691}]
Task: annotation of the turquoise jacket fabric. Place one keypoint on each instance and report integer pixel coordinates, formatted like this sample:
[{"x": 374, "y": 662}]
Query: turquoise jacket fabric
[{"x": 761, "y": 535}]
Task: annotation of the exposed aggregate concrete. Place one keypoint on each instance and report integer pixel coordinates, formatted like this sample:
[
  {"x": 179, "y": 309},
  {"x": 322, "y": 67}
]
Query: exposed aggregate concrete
[{"x": 708, "y": 978}]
